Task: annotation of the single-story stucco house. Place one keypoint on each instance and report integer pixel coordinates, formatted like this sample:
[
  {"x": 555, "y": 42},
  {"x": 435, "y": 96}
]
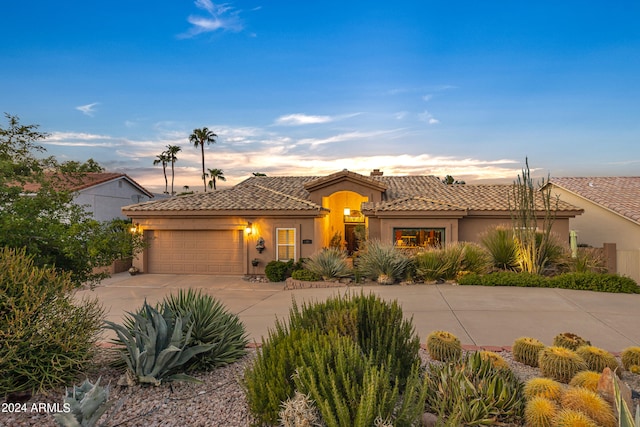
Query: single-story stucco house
[
  {"x": 611, "y": 215},
  {"x": 288, "y": 217}
]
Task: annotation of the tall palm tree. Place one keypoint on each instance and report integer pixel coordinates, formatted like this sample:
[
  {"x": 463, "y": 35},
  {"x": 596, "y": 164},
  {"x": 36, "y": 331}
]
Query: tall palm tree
[
  {"x": 199, "y": 137},
  {"x": 164, "y": 159},
  {"x": 172, "y": 150},
  {"x": 216, "y": 174}
]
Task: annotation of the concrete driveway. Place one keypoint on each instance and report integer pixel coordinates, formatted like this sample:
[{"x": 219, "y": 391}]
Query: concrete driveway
[{"x": 482, "y": 316}]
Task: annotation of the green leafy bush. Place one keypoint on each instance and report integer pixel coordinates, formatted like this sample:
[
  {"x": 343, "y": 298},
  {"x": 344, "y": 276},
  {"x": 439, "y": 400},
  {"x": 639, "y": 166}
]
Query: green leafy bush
[
  {"x": 328, "y": 263},
  {"x": 210, "y": 324},
  {"x": 156, "y": 346},
  {"x": 47, "y": 337},
  {"x": 580, "y": 281},
  {"x": 379, "y": 259},
  {"x": 305, "y": 275},
  {"x": 471, "y": 391},
  {"x": 278, "y": 271}
]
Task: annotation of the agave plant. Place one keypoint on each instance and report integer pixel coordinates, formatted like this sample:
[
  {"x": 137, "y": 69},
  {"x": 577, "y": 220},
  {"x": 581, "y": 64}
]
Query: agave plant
[
  {"x": 156, "y": 346},
  {"x": 86, "y": 403},
  {"x": 625, "y": 418}
]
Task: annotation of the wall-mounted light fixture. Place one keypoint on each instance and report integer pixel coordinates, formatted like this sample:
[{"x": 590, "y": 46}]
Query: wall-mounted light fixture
[
  {"x": 135, "y": 228},
  {"x": 248, "y": 228},
  {"x": 347, "y": 211},
  {"x": 260, "y": 245}
]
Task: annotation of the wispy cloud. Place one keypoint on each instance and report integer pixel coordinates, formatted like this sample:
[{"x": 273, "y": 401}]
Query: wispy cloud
[
  {"x": 89, "y": 109},
  {"x": 427, "y": 97},
  {"x": 300, "y": 119},
  {"x": 427, "y": 117},
  {"x": 216, "y": 17}
]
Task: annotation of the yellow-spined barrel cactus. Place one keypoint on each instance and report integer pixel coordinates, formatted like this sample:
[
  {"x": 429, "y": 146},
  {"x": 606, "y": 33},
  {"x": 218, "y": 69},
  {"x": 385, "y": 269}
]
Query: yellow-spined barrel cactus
[
  {"x": 634, "y": 369},
  {"x": 560, "y": 363},
  {"x": 586, "y": 379},
  {"x": 494, "y": 359},
  {"x": 569, "y": 340},
  {"x": 597, "y": 359},
  {"x": 526, "y": 350},
  {"x": 539, "y": 412},
  {"x": 591, "y": 404},
  {"x": 543, "y": 387},
  {"x": 443, "y": 346},
  {"x": 572, "y": 418},
  {"x": 630, "y": 356}
]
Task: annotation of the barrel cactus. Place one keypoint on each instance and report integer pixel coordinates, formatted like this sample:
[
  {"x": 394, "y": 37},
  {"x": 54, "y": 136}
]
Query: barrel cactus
[
  {"x": 591, "y": 404},
  {"x": 560, "y": 363},
  {"x": 494, "y": 359},
  {"x": 539, "y": 412},
  {"x": 597, "y": 359},
  {"x": 443, "y": 346},
  {"x": 630, "y": 356},
  {"x": 543, "y": 387},
  {"x": 572, "y": 418},
  {"x": 526, "y": 350},
  {"x": 569, "y": 340},
  {"x": 586, "y": 379}
]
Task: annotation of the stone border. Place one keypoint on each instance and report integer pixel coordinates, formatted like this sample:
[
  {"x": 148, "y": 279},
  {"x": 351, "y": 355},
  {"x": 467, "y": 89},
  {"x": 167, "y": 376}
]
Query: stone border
[{"x": 290, "y": 284}]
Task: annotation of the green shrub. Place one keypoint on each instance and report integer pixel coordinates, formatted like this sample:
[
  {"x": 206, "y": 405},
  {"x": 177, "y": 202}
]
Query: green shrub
[
  {"x": 504, "y": 278},
  {"x": 278, "y": 271},
  {"x": 501, "y": 246},
  {"x": 47, "y": 337},
  {"x": 380, "y": 260},
  {"x": 156, "y": 346},
  {"x": 328, "y": 263},
  {"x": 447, "y": 263},
  {"x": 471, "y": 391},
  {"x": 600, "y": 282},
  {"x": 210, "y": 323},
  {"x": 306, "y": 275},
  {"x": 380, "y": 328},
  {"x": 475, "y": 259}
]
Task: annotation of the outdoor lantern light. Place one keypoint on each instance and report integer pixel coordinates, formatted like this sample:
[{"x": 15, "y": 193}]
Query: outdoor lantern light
[
  {"x": 248, "y": 228},
  {"x": 134, "y": 228},
  {"x": 347, "y": 211},
  {"x": 260, "y": 245}
]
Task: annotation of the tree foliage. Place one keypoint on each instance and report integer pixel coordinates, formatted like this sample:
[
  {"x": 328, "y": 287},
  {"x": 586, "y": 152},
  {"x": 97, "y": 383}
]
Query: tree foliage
[{"x": 36, "y": 214}]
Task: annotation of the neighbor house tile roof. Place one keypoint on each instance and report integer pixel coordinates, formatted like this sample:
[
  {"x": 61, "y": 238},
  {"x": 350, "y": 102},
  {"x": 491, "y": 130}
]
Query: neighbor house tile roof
[
  {"x": 618, "y": 194},
  {"x": 288, "y": 193},
  {"x": 82, "y": 181}
]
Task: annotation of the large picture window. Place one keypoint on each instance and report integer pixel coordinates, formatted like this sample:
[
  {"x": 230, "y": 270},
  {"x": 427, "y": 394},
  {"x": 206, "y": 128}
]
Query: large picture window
[
  {"x": 418, "y": 237},
  {"x": 286, "y": 243}
]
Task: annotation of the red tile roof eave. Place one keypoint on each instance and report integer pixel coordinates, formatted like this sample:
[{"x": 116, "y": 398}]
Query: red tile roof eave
[
  {"x": 453, "y": 214},
  {"x": 263, "y": 213}
]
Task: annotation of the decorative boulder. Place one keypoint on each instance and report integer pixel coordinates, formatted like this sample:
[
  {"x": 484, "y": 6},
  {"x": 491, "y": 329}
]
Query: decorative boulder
[{"x": 605, "y": 388}]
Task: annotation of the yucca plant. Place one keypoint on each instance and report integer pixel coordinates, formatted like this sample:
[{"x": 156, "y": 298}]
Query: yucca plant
[
  {"x": 475, "y": 259},
  {"x": 382, "y": 261},
  {"x": 501, "y": 246},
  {"x": 156, "y": 346},
  {"x": 211, "y": 324},
  {"x": 329, "y": 263}
]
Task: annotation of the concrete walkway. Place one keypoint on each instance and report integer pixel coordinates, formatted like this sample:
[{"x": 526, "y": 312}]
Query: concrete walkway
[{"x": 483, "y": 316}]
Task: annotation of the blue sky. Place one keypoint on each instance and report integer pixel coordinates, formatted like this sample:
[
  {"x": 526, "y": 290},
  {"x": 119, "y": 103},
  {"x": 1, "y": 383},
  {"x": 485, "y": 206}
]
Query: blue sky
[{"x": 467, "y": 88}]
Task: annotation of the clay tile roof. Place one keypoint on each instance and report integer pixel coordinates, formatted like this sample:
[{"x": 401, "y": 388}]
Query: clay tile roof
[
  {"x": 618, "y": 194},
  {"x": 82, "y": 181}
]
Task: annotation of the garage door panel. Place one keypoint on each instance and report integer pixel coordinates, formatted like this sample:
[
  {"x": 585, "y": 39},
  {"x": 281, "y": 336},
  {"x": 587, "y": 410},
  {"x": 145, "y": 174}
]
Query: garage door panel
[{"x": 196, "y": 252}]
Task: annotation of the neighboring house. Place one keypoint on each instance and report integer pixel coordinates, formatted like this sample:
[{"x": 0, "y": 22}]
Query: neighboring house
[
  {"x": 611, "y": 215},
  {"x": 268, "y": 218},
  {"x": 103, "y": 194}
]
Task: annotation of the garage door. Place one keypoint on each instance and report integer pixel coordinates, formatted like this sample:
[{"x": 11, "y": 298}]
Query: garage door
[{"x": 195, "y": 252}]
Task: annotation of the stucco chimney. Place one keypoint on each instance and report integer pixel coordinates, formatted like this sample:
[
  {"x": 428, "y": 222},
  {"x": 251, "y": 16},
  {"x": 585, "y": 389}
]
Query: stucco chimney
[{"x": 376, "y": 172}]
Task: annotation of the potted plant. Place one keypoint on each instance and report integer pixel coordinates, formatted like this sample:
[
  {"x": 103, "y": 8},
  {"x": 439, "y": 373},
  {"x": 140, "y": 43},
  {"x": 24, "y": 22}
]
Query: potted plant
[
  {"x": 255, "y": 262},
  {"x": 133, "y": 271}
]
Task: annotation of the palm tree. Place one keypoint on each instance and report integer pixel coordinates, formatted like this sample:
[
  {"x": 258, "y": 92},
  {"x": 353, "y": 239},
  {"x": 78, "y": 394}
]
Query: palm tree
[
  {"x": 216, "y": 174},
  {"x": 198, "y": 138},
  {"x": 164, "y": 159},
  {"x": 171, "y": 152}
]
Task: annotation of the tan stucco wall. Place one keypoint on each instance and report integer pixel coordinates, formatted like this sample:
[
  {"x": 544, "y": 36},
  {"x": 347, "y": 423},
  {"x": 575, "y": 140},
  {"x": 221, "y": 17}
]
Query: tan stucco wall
[{"x": 471, "y": 229}]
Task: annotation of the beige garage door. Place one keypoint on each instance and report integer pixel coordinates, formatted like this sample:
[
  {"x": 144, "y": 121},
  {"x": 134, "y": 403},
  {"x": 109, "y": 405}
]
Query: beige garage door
[{"x": 195, "y": 252}]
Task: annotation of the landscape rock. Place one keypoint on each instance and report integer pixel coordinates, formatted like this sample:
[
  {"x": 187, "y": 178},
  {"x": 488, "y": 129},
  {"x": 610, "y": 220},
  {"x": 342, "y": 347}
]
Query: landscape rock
[{"x": 606, "y": 388}]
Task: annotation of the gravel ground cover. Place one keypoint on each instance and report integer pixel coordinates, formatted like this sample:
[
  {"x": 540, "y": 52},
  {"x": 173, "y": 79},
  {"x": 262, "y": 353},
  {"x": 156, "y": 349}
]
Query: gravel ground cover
[{"x": 218, "y": 401}]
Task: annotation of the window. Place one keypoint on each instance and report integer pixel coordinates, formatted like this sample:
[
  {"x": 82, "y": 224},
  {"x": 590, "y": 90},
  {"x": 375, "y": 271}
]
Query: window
[
  {"x": 418, "y": 237},
  {"x": 286, "y": 244}
]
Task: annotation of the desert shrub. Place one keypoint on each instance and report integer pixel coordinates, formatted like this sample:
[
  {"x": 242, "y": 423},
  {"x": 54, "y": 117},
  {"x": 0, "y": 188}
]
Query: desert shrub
[
  {"x": 471, "y": 391},
  {"x": 382, "y": 262},
  {"x": 156, "y": 348},
  {"x": 46, "y": 337},
  {"x": 210, "y": 323},
  {"x": 328, "y": 263},
  {"x": 588, "y": 260},
  {"x": 560, "y": 364},
  {"x": 501, "y": 246},
  {"x": 306, "y": 275},
  {"x": 475, "y": 259},
  {"x": 278, "y": 271},
  {"x": 377, "y": 326},
  {"x": 599, "y": 282},
  {"x": 505, "y": 278},
  {"x": 447, "y": 263}
]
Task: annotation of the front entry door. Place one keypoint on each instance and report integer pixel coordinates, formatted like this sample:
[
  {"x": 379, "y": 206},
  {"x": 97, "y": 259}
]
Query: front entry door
[{"x": 350, "y": 238}]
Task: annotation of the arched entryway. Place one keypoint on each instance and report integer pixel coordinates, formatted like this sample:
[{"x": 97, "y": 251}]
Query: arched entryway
[{"x": 345, "y": 225}]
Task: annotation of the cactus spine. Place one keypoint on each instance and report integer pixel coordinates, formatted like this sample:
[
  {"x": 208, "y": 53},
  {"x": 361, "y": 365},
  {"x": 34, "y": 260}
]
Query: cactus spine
[
  {"x": 572, "y": 418},
  {"x": 597, "y": 359},
  {"x": 630, "y": 356},
  {"x": 543, "y": 387},
  {"x": 526, "y": 350},
  {"x": 443, "y": 346},
  {"x": 560, "y": 363},
  {"x": 539, "y": 412},
  {"x": 586, "y": 379},
  {"x": 591, "y": 404},
  {"x": 570, "y": 341},
  {"x": 494, "y": 359}
]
